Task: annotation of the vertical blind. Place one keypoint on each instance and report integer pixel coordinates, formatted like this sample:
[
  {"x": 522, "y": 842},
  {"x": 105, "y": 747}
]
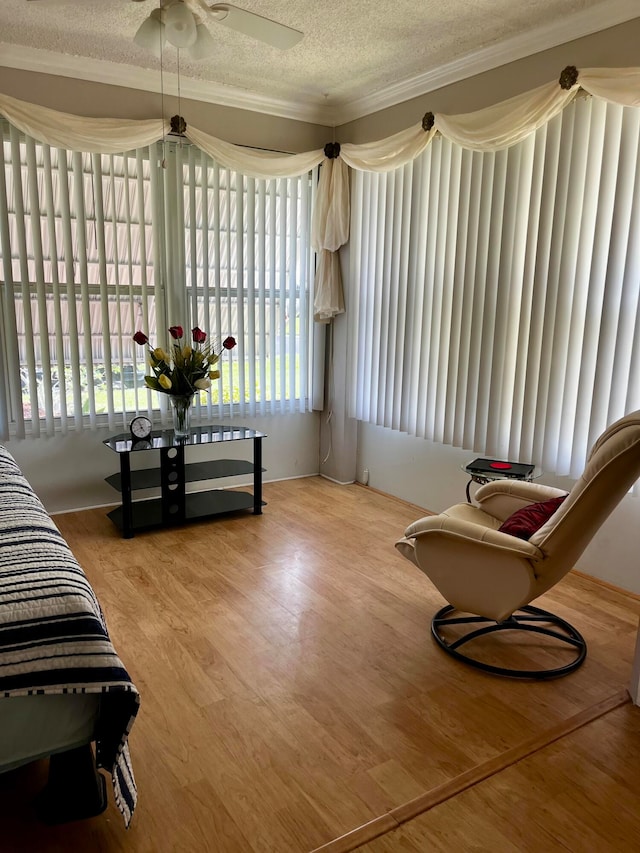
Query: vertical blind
[
  {"x": 497, "y": 299},
  {"x": 95, "y": 247}
]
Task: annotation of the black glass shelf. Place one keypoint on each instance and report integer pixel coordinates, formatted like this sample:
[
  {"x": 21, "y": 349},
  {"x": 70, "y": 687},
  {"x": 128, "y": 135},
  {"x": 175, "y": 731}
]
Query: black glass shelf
[
  {"x": 149, "y": 478},
  {"x": 198, "y": 505},
  {"x": 159, "y": 439}
]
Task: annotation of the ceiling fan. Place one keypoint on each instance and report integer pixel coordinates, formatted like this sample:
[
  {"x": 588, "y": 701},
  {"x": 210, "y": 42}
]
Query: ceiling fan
[{"x": 182, "y": 23}]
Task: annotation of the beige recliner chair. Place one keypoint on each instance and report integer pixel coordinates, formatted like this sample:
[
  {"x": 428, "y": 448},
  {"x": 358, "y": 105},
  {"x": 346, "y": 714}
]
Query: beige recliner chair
[{"x": 492, "y": 574}]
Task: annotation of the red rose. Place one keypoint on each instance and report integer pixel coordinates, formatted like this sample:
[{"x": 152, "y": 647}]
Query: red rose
[
  {"x": 140, "y": 338},
  {"x": 176, "y": 332},
  {"x": 229, "y": 343},
  {"x": 199, "y": 336}
]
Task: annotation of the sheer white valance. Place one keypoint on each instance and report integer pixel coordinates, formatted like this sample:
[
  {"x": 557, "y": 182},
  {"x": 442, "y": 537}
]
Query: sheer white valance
[
  {"x": 490, "y": 129},
  {"x": 254, "y": 163},
  {"x": 390, "y": 153},
  {"x": 79, "y": 133}
]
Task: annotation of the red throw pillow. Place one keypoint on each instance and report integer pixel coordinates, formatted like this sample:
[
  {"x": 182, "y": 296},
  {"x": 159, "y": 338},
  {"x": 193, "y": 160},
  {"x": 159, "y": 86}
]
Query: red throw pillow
[{"x": 524, "y": 522}]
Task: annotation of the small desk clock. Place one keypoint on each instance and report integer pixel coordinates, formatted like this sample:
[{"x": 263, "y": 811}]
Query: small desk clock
[{"x": 140, "y": 428}]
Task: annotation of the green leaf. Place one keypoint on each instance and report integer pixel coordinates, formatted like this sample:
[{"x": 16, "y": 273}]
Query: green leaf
[{"x": 152, "y": 383}]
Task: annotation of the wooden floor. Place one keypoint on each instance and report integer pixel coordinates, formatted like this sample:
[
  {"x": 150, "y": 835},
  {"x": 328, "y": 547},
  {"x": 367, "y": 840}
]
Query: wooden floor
[{"x": 291, "y": 694}]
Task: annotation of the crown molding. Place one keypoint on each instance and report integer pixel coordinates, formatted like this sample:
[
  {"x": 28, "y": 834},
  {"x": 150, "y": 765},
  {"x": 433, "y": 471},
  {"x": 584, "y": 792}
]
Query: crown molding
[
  {"x": 594, "y": 19},
  {"x": 148, "y": 80},
  {"x": 575, "y": 26}
]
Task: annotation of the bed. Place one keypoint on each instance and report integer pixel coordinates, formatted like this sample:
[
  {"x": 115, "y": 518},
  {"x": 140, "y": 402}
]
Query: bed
[{"x": 63, "y": 687}]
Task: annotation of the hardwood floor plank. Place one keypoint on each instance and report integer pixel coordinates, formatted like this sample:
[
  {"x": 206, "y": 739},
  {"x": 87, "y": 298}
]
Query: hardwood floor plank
[
  {"x": 548, "y": 801},
  {"x": 292, "y": 693}
]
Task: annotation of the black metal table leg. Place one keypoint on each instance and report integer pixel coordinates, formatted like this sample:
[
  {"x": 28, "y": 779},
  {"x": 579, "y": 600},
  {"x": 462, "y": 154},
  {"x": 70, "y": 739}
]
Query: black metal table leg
[
  {"x": 172, "y": 485},
  {"x": 127, "y": 509},
  {"x": 257, "y": 475}
]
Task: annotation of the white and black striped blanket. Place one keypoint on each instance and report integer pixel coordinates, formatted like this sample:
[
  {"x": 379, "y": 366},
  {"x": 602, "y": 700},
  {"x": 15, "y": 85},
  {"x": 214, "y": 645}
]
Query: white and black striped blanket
[{"x": 53, "y": 635}]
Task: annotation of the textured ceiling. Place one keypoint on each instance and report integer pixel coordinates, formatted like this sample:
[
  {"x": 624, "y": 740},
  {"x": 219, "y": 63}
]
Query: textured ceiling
[{"x": 352, "y": 50}]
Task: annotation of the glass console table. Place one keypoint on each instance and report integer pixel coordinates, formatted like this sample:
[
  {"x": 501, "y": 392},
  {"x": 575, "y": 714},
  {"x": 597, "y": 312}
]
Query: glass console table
[{"x": 175, "y": 505}]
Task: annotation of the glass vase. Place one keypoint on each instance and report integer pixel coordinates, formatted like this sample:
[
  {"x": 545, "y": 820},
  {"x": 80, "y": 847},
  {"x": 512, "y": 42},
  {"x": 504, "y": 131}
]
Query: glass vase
[{"x": 181, "y": 411}]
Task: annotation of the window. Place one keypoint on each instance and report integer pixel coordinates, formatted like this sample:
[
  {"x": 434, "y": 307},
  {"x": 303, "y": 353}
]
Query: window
[
  {"x": 498, "y": 300},
  {"x": 95, "y": 247}
]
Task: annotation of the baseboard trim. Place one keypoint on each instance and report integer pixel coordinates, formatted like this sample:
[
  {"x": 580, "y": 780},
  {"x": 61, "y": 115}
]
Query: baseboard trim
[
  {"x": 338, "y": 482},
  {"x": 394, "y": 818},
  {"x": 248, "y": 484},
  {"x": 395, "y": 498},
  {"x": 606, "y": 585}
]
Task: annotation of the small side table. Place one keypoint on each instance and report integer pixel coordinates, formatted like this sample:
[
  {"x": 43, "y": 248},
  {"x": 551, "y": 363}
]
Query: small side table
[{"x": 482, "y": 471}]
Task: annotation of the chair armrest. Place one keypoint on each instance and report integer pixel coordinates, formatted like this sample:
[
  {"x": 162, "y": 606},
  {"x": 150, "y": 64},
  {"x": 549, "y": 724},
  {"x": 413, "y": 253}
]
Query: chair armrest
[
  {"x": 475, "y": 568},
  {"x": 470, "y": 533},
  {"x": 502, "y": 498}
]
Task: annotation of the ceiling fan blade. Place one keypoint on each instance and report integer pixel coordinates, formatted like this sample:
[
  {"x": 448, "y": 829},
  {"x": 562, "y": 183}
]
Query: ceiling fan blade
[{"x": 255, "y": 26}]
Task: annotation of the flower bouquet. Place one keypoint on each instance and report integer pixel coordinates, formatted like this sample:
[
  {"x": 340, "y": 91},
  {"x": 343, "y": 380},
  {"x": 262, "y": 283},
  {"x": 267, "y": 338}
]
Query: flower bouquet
[{"x": 183, "y": 371}]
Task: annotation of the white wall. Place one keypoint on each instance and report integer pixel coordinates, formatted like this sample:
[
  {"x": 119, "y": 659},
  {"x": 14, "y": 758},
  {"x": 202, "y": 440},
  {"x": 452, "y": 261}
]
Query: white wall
[
  {"x": 67, "y": 472},
  {"x": 430, "y": 476}
]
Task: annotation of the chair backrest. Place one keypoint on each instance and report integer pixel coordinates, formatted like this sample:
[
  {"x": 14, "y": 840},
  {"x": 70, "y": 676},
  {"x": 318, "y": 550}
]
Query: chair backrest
[{"x": 612, "y": 468}]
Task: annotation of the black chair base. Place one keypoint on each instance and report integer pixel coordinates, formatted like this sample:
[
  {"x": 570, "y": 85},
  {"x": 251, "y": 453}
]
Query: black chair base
[{"x": 526, "y": 619}]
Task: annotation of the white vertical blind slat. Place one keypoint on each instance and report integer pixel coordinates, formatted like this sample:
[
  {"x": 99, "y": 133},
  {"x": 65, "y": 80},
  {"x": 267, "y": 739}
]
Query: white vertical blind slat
[
  {"x": 399, "y": 272},
  {"x": 29, "y": 337},
  {"x": 376, "y": 341},
  {"x": 229, "y": 224},
  {"x": 475, "y": 292},
  {"x": 420, "y": 172},
  {"x": 304, "y": 392},
  {"x": 273, "y": 283},
  {"x": 70, "y": 275},
  {"x": 428, "y": 376},
  {"x": 632, "y": 268},
  {"x": 217, "y": 282},
  {"x": 458, "y": 338},
  {"x": 387, "y": 200},
  {"x": 521, "y": 303},
  {"x": 482, "y": 331},
  {"x": 100, "y": 237},
  {"x": 11, "y": 404},
  {"x": 194, "y": 217},
  {"x": 624, "y": 236},
  {"x": 530, "y": 210},
  {"x": 262, "y": 281},
  {"x": 353, "y": 296},
  {"x": 450, "y": 202},
  {"x": 373, "y": 238},
  {"x": 240, "y": 241},
  {"x": 251, "y": 289},
  {"x": 599, "y": 319},
  {"x": 282, "y": 288},
  {"x": 86, "y": 350},
  {"x": 580, "y": 370},
  {"x": 46, "y": 400}
]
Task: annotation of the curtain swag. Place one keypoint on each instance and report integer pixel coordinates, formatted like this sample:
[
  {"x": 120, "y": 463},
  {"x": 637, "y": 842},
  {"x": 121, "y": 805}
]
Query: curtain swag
[{"x": 490, "y": 129}]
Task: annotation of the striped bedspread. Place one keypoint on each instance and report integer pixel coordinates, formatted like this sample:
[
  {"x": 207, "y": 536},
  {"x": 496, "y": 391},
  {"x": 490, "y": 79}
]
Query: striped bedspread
[{"x": 53, "y": 636}]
